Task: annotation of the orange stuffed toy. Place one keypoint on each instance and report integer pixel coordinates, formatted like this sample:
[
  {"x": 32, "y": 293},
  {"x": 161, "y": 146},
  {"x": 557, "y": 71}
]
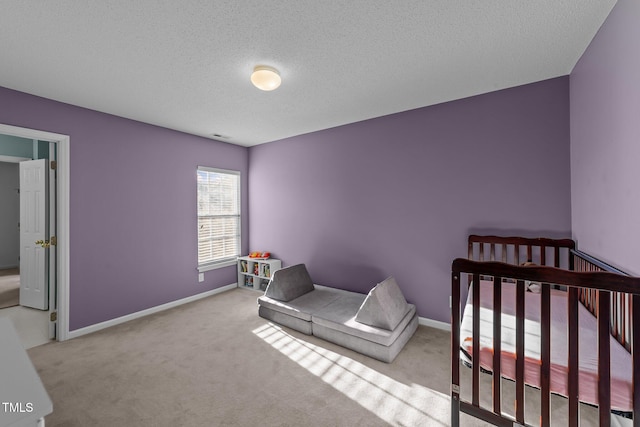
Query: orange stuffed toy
[{"x": 262, "y": 255}]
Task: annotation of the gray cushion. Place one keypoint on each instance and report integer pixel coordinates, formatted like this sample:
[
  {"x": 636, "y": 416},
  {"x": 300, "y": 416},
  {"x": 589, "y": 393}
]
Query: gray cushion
[
  {"x": 384, "y": 352},
  {"x": 289, "y": 283},
  {"x": 340, "y": 316},
  {"x": 285, "y": 320},
  {"x": 305, "y": 305},
  {"x": 384, "y": 307}
]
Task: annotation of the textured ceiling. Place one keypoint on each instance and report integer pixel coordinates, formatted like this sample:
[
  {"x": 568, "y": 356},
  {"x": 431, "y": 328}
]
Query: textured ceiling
[{"x": 185, "y": 65}]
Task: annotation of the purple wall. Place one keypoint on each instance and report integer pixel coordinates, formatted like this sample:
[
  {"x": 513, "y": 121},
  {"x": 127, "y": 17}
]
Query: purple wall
[
  {"x": 398, "y": 195},
  {"x": 395, "y": 195},
  {"x": 605, "y": 141},
  {"x": 132, "y": 207}
]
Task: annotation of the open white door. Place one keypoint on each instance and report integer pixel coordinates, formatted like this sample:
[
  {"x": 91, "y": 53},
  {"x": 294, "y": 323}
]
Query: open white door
[{"x": 34, "y": 288}]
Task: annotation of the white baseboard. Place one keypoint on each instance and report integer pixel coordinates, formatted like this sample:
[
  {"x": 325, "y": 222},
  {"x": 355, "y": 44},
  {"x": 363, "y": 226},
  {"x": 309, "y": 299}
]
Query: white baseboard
[
  {"x": 106, "y": 324},
  {"x": 434, "y": 324},
  {"x": 102, "y": 325}
]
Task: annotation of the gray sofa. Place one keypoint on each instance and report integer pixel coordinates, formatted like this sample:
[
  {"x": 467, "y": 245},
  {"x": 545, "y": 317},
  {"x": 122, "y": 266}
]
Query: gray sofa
[{"x": 377, "y": 325}]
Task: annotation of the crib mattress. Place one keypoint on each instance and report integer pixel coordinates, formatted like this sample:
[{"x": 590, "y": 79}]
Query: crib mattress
[{"x": 621, "y": 364}]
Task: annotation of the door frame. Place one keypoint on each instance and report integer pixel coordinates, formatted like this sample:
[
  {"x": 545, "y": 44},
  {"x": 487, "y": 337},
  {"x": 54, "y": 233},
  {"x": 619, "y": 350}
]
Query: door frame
[{"x": 62, "y": 214}]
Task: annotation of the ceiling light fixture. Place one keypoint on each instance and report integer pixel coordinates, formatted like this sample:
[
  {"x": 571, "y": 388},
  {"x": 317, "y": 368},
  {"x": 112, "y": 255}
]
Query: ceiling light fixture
[{"x": 265, "y": 78}]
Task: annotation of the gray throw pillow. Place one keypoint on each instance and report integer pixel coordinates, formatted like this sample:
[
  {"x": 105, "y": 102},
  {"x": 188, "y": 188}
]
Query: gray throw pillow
[
  {"x": 289, "y": 283},
  {"x": 384, "y": 307}
]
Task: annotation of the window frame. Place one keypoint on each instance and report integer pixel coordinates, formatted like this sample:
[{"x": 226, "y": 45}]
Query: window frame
[{"x": 228, "y": 261}]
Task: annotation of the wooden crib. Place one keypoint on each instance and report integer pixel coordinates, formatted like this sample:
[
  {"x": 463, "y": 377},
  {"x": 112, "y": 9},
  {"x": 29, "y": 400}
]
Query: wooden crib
[{"x": 571, "y": 285}]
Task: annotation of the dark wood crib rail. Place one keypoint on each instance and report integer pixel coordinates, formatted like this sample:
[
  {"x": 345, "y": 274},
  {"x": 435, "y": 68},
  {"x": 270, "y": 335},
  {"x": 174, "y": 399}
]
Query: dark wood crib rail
[
  {"x": 517, "y": 250},
  {"x": 604, "y": 283},
  {"x": 620, "y": 304},
  {"x": 561, "y": 253}
]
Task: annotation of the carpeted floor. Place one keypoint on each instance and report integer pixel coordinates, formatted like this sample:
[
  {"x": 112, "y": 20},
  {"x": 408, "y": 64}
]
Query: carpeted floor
[
  {"x": 215, "y": 362},
  {"x": 9, "y": 287}
]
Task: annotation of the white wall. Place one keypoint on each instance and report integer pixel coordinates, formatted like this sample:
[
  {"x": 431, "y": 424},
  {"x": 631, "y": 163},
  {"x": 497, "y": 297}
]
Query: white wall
[{"x": 9, "y": 215}]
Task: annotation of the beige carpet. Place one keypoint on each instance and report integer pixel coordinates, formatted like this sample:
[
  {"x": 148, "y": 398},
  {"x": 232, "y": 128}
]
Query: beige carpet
[
  {"x": 214, "y": 362},
  {"x": 9, "y": 287}
]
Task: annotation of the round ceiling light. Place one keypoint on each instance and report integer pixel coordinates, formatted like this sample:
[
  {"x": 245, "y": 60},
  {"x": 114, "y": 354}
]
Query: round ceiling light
[{"x": 265, "y": 78}]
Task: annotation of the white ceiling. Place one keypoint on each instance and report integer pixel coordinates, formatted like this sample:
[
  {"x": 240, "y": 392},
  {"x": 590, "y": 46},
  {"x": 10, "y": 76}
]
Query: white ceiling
[{"x": 185, "y": 65}]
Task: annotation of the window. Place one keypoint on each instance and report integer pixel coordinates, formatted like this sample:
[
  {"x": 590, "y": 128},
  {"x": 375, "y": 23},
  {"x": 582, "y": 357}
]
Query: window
[{"x": 218, "y": 217}]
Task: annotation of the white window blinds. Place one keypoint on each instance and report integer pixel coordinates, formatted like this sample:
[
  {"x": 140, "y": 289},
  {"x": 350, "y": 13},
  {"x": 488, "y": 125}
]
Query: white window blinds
[{"x": 218, "y": 217}]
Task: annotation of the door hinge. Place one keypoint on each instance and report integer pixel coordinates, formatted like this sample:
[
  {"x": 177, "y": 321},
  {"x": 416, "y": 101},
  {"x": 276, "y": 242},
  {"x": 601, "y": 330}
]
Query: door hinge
[
  {"x": 54, "y": 165},
  {"x": 53, "y": 240},
  {"x": 54, "y": 316}
]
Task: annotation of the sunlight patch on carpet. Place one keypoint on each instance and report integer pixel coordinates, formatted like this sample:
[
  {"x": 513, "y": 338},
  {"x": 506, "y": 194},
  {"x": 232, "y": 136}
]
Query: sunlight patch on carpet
[{"x": 392, "y": 401}]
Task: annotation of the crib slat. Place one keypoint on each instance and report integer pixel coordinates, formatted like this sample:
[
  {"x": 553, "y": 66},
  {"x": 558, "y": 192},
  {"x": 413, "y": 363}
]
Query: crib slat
[
  {"x": 572, "y": 338},
  {"x": 625, "y": 315},
  {"x": 543, "y": 255},
  {"x": 497, "y": 342},
  {"x": 520, "y": 351},
  {"x": 635, "y": 354},
  {"x": 545, "y": 356},
  {"x": 571, "y": 261},
  {"x": 475, "y": 393},
  {"x": 615, "y": 331},
  {"x": 455, "y": 349},
  {"x": 604, "y": 359}
]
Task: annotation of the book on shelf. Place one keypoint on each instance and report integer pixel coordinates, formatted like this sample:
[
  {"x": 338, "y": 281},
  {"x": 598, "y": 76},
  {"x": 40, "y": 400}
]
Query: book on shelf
[{"x": 243, "y": 266}]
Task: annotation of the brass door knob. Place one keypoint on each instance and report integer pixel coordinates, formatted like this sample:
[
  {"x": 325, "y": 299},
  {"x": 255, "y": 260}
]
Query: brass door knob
[{"x": 44, "y": 243}]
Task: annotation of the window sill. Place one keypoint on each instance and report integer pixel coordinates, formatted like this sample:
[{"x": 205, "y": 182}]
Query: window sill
[{"x": 222, "y": 264}]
